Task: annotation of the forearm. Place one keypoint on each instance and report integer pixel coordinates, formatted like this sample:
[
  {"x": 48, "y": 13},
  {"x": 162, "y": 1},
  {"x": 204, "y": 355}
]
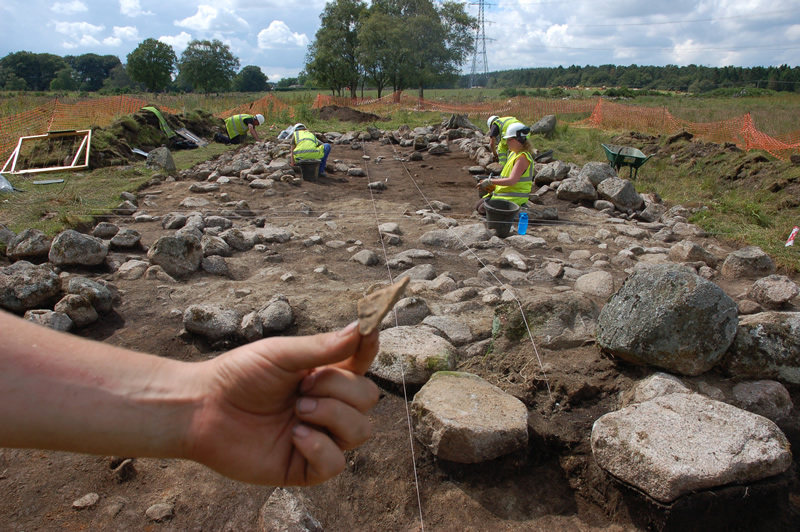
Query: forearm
[{"x": 58, "y": 391}]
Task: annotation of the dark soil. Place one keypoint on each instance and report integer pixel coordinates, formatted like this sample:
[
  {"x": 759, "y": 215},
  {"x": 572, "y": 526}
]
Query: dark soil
[
  {"x": 348, "y": 114},
  {"x": 553, "y": 485}
]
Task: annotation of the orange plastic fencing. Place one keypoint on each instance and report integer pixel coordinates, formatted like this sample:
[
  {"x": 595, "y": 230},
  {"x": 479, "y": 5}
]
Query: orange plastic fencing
[
  {"x": 740, "y": 130},
  {"x": 57, "y": 116},
  {"x": 603, "y": 114},
  {"x": 269, "y": 106}
]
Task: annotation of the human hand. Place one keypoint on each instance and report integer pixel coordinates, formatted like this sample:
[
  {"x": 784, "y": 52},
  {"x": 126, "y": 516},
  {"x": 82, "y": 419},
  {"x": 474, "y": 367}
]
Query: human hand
[{"x": 281, "y": 411}]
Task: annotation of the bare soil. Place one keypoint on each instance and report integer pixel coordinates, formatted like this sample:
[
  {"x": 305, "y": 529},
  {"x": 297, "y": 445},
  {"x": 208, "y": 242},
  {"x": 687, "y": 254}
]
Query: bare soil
[{"x": 553, "y": 485}]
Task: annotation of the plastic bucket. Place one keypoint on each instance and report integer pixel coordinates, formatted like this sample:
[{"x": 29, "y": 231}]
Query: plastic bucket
[
  {"x": 309, "y": 168},
  {"x": 500, "y": 215}
]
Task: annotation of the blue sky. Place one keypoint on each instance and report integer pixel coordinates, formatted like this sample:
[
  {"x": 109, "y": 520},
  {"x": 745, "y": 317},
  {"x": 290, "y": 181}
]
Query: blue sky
[{"x": 274, "y": 35}]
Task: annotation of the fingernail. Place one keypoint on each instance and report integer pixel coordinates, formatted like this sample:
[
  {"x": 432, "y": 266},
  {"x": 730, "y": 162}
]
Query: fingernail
[
  {"x": 307, "y": 383},
  {"x": 348, "y": 330},
  {"x": 306, "y": 405},
  {"x": 301, "y": 431}
]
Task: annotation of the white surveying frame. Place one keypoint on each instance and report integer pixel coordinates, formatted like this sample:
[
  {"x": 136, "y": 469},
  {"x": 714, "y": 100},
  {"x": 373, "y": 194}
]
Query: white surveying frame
[{"x": 81, "y": 153}]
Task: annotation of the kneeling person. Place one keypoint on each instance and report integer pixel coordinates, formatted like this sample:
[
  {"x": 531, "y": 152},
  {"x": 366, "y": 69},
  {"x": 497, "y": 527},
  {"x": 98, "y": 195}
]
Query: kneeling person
[
  {"x": 306, "y": 146},
  {"x": 237, "y": 127}
]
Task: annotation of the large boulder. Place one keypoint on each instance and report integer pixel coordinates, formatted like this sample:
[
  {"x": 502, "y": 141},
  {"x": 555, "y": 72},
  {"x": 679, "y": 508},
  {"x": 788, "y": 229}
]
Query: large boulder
[
  {"x": 29, "y": 245},
  {"x": 767, "y": 346},
  {"x": 682, "y": 443},
  {"x": 71, "y": 248},
  {"x": 576, "y": 189},
  {"x": 596, "y": 172},
  {"x": 462, "y": 418},
  {"x": 456, "y": 237},
  {"x": 179, "y": 255},
  {"x": 557, "y": 321},
  {"x": 24, "y": 286},
  {"x": 750, "y": 261},
  {"x": 669, "y": 317},
  {"x": 161, "y": 159},
  {"x": 546, "y": 126},
  {"x": 411, "y": 355},
  {"x": 621, "y": 193}
]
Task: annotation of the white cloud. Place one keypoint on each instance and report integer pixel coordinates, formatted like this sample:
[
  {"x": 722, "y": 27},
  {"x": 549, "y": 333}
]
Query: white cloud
[
  {"x": 77, "y": 30},
  {"x": 131, "y": 8},
  {"x": 793, "y": 33},
  {"x": 126, "y": 33},
  {"x": 178, "y": 42},
  {"x": 278, "y": 35},
  {"x": 211, "y": 18},
  {"x": 69, "y": 8}
]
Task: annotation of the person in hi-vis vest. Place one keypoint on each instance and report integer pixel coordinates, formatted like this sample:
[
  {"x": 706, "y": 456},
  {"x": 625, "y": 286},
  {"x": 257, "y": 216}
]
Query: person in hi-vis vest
[
  {"x": 238, "y": 126},
  {"x": 498, "y": 126},
  {"x": 305, "y": 146},
  {"x": 516, "y": 179}
]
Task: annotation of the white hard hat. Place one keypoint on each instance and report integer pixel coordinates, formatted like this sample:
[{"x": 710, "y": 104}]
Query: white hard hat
[
  {"x": 518, "y": 131},
  {"x": 260, "y": 119},
  {"x": 299, "y": 126},
  {"x": 491, "y": 119}
]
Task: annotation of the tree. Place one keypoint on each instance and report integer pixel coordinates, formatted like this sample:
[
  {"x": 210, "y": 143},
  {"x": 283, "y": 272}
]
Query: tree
[
  {"x": 377, "y": 51},
  {"x": 66, "y": 80},
  {"x": 118, "y": 81},
  {"x": 433, "y": 44},
  {"x": 152, "y": 63},
  {"x": 92, "y": 69},
  {"x": 250, "y": 79},
  {"x": 208, "y": 65},
  {"x": 36, "y": 70},
  {"x": 331, "y": 60}
]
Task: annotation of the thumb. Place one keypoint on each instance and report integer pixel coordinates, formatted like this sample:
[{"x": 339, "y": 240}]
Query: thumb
[{"x": 307, "y": 352}]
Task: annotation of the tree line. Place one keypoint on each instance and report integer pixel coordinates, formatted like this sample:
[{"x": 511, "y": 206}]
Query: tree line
[
  {"x": 690, "y": 78},
  {"x": 204, "y": 66}
]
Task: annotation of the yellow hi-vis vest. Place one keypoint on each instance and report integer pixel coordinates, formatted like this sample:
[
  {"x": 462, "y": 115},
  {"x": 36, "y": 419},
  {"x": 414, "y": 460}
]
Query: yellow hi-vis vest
[
  {"x": 502, "y": 145},
  {"x": 306, "y": 145},
  {"x": 236, "y": 126},
  {"x": 520, "y": 191}
]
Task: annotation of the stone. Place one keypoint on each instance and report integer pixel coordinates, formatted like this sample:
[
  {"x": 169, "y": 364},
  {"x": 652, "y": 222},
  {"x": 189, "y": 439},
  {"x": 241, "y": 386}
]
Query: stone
[
  {"x": 462, "y": 418},
  {"x": 682, "y": 443},
  {"x": 766, "y": 398},
  {"x": 87, "y": 501},
  {"x": 284, "y": 511},
  {"x": 276, "y": 316},
  {"x": 71, "y": 248},
  {"x": 179, "y": 255},
  {"x": 160, "y": 159},
  {"x": 25, "y": 286},
  {"x": 408, "y": 311},
  {"x": 598, "y": 284},
  {"x": 750, "y": 261},
  {"x": 767, "y": 346},
  {"x": 58, "y": 321},
  {"x": 621, "y": 193},
  {"x": 213, "y": 322},
  {"x": 160, "y": 512},
  {"x": 30, "y": 244},
  {"x": 411, "y": 355},
  {"x": 684, "y": 323},
  {"x": 78, "y": 308},
  {"x": 773, "y": 292}
]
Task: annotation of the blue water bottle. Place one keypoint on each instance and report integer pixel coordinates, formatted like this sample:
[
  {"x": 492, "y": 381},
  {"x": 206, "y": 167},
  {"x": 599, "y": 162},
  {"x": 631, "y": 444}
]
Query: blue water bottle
[{"x": 522, "y": 224}]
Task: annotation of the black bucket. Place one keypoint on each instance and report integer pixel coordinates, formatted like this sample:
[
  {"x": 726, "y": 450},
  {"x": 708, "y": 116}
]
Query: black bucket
[
  {"x": 500, "y": 215},
  {"x": 309, "y": 168}
]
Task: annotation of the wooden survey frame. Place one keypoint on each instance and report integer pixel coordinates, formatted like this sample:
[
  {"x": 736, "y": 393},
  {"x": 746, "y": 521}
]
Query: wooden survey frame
[{"x": 84, "y": 147}]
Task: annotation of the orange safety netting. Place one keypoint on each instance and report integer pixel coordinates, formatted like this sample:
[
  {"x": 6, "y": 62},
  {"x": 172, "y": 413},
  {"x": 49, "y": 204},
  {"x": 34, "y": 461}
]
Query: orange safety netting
[
  {"x": 269, "y": 106},
  {"x": 603, "y": 114},
  {"x": 740, "y": 130},
  {"x": 57, "y": 116}
]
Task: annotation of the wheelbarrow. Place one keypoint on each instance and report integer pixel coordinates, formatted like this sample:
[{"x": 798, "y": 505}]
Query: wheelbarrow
[{"x": 619, "y": 156}]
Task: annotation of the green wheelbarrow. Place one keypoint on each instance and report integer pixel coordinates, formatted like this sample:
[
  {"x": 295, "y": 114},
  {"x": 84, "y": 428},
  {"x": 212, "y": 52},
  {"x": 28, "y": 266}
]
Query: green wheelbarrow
[{"x": 619, "y": 156}]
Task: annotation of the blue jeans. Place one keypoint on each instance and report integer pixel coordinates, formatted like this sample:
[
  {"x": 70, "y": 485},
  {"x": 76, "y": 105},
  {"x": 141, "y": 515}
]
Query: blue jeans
[{"x": 323, "y": 162}]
